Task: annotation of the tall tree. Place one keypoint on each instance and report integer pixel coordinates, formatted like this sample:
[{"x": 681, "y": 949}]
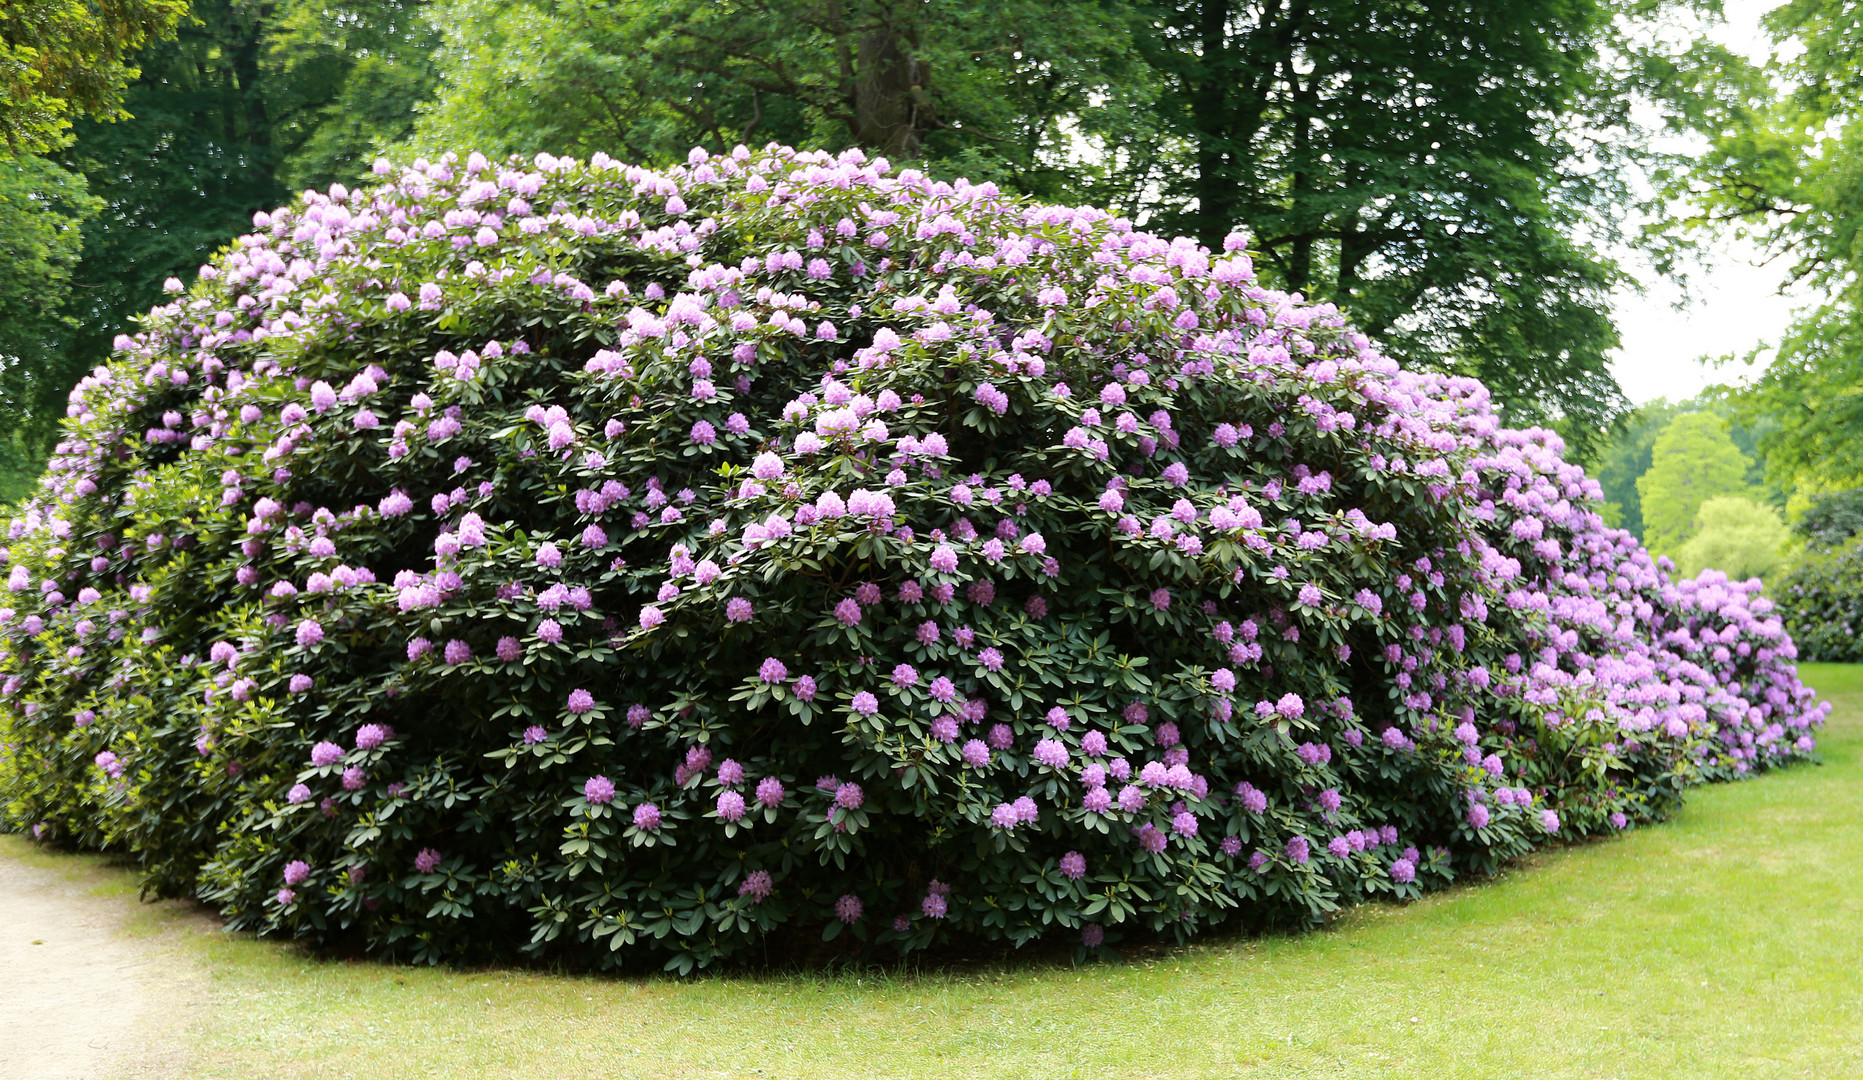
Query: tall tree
[
  {"x": 1619, "y": 460},
  {"x": 1417, "y": 162},
  {"x": 1627, "y": 451},
  {"x": 345, "y": 82}
]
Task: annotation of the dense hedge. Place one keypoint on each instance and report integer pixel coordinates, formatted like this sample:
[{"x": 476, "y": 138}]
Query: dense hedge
[
  {"x": 580, "y": 560},
  {"x": 1822, "y": 603}
]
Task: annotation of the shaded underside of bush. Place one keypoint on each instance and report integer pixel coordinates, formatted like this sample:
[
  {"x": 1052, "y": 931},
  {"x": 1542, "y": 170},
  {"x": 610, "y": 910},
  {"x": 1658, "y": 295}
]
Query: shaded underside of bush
[{"x": 577, "y": 560}]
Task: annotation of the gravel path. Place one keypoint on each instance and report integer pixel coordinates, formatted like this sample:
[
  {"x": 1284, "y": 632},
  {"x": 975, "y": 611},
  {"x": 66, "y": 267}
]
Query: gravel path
[{"x": 78, "y": 997}]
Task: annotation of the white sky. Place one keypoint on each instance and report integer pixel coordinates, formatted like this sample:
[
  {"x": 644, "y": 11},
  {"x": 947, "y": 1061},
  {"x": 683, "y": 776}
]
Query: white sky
[{"x": 1737, "y": 304}]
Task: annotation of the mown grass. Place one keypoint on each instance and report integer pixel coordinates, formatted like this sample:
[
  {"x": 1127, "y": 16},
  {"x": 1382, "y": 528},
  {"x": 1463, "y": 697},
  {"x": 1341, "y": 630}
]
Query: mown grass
[{"x": 1727, "y": 942}]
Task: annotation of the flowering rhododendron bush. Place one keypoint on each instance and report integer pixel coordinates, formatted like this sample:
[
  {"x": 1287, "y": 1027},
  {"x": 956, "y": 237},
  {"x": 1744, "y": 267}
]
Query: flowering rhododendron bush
[
  {"x": 579, "y": 560},
  {"x": 1821, "y": 601}
]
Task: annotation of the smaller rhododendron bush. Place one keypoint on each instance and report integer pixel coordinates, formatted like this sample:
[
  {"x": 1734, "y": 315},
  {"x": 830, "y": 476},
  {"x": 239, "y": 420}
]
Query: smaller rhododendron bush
[
  {"x": 584, "y": 561},
  {"x": 1821, "y": 600}
]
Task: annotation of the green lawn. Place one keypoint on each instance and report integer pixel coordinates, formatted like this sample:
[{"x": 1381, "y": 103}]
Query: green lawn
[{"x": 1725, "y": 943}]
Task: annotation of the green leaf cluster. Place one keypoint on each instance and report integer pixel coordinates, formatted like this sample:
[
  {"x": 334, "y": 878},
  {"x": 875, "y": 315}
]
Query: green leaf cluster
[
  {"x": 63, "y": 59},
  {"x": 1832, "y": 519}
]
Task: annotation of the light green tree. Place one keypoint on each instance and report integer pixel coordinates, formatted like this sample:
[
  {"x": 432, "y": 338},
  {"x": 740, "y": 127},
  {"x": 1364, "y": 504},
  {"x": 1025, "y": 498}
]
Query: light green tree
[
  {"x": 1735, "y": 534},
  {"x": 1694, "y": 460},
  {"x": 1624, "y": 455},
  {"x": 1626, "y": 452}
]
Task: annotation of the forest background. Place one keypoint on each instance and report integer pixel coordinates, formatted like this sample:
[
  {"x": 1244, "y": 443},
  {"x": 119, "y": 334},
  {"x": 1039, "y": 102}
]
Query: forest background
[{"x": 1462, "y": 177}]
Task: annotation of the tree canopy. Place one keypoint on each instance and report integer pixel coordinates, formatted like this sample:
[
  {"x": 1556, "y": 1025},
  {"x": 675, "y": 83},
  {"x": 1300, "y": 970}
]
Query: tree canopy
[
  {"x": 1618, "y": 462},
  {"x": 1788, "y": 171},
  {"x": 1625, "y": 453},
  {"x": 984, "y": 89},
  {"x": 1412, "y": 162}
]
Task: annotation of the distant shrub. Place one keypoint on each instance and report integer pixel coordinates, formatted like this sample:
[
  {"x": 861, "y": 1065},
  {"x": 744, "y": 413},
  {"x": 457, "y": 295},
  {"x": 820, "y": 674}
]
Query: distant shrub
[
  {"x": 1822, "y": 603},
  {"x": 1734, "y": 534},
  {"x": 586, "y": 561}
]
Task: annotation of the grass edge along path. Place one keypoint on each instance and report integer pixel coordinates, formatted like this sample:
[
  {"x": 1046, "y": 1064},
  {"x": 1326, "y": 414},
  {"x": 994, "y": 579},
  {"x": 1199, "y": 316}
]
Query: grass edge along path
[
  {"x": 1724, "y": 942},
  {"x": 93, "y": 984}
]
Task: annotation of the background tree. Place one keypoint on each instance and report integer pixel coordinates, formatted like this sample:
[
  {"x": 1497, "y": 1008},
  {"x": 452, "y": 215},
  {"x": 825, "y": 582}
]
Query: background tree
[
  {"x": 1693, "y": 460},
  {"x": 344, "y": 83},
  {"x": 1620, "y": 460},
  {"x": 1788, "y": 171},
  {"x": 61, "y": 59},
  {"x": 1626, "y": 452},
  {"x": 1737, "y": 535}
]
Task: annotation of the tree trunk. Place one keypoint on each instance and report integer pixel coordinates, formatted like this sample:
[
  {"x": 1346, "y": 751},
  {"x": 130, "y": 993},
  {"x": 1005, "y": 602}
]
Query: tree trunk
[
  {"x": 892, "y": 102},
  {"x": 1300, "y": 98},
  {"x": 1215, "y": 186},
  {"x": 255, "y": 127}
]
